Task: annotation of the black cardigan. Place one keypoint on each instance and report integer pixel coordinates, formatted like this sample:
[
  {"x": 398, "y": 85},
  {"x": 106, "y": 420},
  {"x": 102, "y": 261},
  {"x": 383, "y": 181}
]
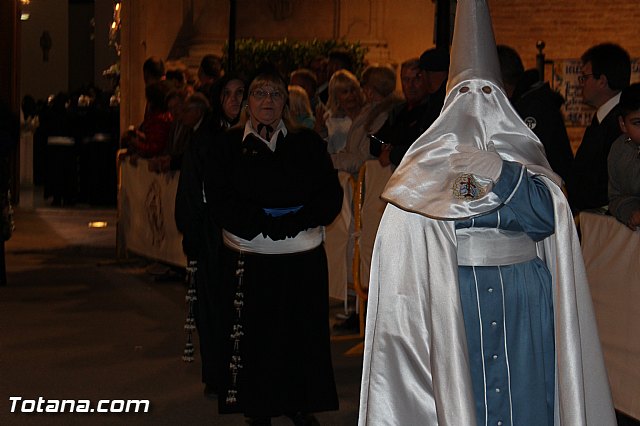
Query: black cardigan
[{"x": 249, "y": 177}]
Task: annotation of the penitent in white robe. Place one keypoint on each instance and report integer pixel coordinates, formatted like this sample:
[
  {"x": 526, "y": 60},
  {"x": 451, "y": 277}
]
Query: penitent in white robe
[{"x": 416, "y": 366}]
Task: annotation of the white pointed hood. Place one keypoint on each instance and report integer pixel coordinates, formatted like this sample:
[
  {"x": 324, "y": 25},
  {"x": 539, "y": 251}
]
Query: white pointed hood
[
  {"x": 476, "y": 111},
  {"x": 474, "y": 55}
]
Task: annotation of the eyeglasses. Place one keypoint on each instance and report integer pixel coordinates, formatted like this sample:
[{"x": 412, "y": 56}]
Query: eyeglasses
[
  {"x": 262, "y": 94},
  {"x": 239, "y": 93},
  {"x": 582, "y": 78}
]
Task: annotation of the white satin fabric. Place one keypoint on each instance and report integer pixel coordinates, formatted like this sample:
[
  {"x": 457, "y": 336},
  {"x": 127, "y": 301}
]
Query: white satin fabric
[
  {"x": 305, "y": 240},
  {"x": 473, "y": 50},
  {"x": 416, "y": 369},
  {"x": 423, "y": 181},
  {"x": 375, "y": 178},
  {"x": 493, "y": 247}
]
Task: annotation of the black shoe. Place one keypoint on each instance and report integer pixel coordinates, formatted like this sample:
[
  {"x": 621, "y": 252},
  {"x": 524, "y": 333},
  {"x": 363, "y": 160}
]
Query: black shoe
[
  {"x": 304, "y": 419},
  {"x": 350, "y": 325},
  {"x": 210, "y": 391},
  {"x": 259, "y": 421}
]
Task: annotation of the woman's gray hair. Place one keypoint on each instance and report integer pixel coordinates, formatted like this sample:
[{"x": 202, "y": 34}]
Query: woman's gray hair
[
  {"x": 197, "y": 100},
  {"x": 381, "y": 78}
]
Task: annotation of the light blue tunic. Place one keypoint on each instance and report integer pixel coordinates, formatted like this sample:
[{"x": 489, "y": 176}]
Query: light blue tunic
[{"x": 508, "y": 313}]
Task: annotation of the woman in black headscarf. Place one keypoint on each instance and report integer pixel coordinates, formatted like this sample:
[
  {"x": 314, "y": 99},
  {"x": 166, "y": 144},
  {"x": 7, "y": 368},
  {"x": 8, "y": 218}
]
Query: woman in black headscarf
[{"x": 201, "y": 235}]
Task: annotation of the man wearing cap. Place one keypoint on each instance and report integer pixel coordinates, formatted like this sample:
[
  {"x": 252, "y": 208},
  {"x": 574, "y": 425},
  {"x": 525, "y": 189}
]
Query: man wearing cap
[{"x": 424, "y": 84}]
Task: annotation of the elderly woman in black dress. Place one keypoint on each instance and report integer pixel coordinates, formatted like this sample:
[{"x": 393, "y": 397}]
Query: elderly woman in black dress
[{"x": 274, "y": 190}]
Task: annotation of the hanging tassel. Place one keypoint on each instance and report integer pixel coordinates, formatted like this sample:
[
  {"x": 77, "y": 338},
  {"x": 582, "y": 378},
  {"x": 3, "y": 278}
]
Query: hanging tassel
[
  {"x": 235, "y": 364},
  {"x": 189, "y": 351},
  {"x": 190, "y": 322}
]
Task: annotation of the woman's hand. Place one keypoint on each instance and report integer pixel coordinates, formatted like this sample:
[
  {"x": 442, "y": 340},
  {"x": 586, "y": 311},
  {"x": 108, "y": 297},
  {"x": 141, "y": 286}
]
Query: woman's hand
[
  {"x": 634, "y": 220},
  {"x": 384, "y": 157},
  {"x": 320, "y": 118}
]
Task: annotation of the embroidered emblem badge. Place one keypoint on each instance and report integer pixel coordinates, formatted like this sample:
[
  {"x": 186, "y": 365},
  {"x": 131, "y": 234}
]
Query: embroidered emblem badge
[
  {"x": 466, "y": 187},
  {"x": 530, "y": 122}
]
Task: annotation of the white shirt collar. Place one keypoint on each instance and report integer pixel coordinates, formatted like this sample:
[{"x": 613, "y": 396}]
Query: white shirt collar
[
  {"x": 322, "y": 87},
  {"x": 198, "y": 123},
  {"x": 248, "y": 129},
  {"x": 607, "y": 107}
]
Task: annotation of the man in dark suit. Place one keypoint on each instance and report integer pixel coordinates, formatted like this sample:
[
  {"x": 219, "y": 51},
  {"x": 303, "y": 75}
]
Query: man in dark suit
[{"x": 606, "y": 70}]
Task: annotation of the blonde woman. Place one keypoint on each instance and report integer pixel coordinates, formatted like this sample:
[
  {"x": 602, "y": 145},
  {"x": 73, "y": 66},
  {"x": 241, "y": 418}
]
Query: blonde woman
[
  {"x": 343, "y": 106},
  {"x": 300, "y": 107}
]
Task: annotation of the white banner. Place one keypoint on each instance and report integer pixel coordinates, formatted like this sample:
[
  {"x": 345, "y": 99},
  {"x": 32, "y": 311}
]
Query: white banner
[
  {"x": 146, "y": 205},
  {"x": 338, "y": 242},
  {"x": 611, "y": 252}
]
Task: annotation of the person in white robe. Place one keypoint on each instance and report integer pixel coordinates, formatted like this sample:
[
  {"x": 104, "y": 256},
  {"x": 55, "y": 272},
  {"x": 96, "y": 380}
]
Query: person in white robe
[{"x": 479, "y": 308}]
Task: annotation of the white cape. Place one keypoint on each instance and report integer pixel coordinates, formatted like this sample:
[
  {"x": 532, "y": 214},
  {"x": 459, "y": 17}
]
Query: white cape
[{"x": 416, "y": 369}]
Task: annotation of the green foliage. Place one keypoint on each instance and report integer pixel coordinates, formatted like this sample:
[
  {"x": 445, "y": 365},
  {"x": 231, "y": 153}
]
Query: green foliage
[{"x": 288, "y": 55}]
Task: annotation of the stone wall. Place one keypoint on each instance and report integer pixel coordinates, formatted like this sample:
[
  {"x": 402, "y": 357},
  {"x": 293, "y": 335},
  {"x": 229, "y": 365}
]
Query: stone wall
[
  {"x": 568, "y": 27},
  {"x": 375, "y": 23},
  {"x": 149, "y": 28},
  {"x": 51, "y": 17}
]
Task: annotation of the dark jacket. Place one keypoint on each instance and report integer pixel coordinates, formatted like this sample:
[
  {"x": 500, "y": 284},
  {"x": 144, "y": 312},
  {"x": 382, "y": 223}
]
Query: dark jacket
[
  {"x": 201, "y": 242},
  {"x": 539, "y": 107},
  {"x": 403, "y": 127},
  {"x": 589, "y": 180},
  {"x": 251, "y": 177},
  {"x": 190, "y": 211}
]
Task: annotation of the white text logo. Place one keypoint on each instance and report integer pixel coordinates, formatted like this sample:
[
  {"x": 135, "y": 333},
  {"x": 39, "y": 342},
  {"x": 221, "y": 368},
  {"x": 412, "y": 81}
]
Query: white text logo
[{"x": 41, "y": 405}]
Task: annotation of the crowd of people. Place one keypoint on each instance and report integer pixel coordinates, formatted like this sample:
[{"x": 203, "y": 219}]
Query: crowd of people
[
  {"x": 75, "y": 138},
  {"x": 258, "y": 163}
]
